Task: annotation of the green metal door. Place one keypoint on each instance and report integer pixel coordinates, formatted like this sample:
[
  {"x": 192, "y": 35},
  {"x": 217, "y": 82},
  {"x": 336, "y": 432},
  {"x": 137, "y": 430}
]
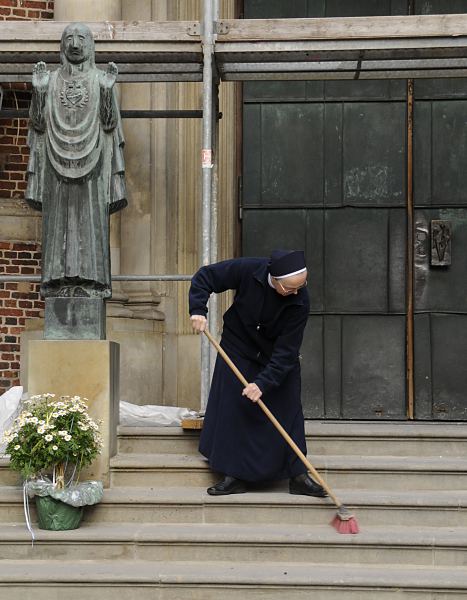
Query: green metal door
[
  {"x": 325, "y": 169},
  {"x": 440, "y": 195}
]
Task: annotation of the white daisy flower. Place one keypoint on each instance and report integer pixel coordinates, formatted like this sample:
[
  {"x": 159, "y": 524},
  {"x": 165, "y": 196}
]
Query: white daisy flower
[
  {"x": 54, "y": 447},
  {"x": 67, "y": 438},
  {"x": 49, "y": 438},
  {"x": 17, "y": 447}
]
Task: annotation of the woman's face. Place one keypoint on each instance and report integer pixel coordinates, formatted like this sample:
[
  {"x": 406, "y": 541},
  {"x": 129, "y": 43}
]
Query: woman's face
[{"x": 290, "y": 285}]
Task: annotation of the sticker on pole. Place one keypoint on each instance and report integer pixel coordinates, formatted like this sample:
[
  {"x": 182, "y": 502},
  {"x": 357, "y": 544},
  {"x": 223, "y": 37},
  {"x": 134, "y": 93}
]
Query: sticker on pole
[{"x": 206, "y": 158}]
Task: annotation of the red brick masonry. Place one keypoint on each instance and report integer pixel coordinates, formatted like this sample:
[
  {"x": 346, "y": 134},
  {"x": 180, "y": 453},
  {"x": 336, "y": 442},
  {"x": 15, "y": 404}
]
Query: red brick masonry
[{"x": 18, "y": 302}]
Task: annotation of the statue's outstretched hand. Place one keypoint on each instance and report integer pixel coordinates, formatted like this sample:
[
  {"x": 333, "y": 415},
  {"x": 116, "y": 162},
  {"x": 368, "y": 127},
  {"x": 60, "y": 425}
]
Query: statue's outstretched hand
[
  {"x": 110, "y": 76},
  {"x": 40, "y": 76}
]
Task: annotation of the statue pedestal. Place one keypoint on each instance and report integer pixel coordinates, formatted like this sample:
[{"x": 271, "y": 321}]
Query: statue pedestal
[
  {"x": 86, "y": 368},
  {"x": 74, "y": 319}
]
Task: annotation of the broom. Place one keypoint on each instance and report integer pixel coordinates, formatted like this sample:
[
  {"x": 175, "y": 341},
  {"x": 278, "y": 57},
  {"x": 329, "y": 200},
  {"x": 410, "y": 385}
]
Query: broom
[{"x": 344, "y": 521}]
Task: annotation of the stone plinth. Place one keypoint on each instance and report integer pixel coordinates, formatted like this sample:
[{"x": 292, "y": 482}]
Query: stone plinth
[
  {"x": 86, "y": 368},
  {"x": 74, "y": 319}
]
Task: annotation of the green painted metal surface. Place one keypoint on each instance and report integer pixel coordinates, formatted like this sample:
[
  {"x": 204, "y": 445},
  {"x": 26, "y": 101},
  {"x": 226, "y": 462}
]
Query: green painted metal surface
[{"x": 325, "y": 169}]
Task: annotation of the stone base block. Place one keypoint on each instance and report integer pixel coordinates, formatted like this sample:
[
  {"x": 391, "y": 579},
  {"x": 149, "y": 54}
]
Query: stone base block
[
  {"x": 86, "y": 368},
  {"x": 74, "y": 319}
]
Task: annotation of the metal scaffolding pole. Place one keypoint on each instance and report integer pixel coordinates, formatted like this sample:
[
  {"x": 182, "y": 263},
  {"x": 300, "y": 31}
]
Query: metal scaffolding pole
[
  {"x": 207, "y": 168},
  {"x": 214, "y": 309}
]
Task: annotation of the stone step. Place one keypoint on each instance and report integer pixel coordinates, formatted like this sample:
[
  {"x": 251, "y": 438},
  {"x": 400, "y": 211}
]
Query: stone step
[
  {"x": 400, "y": 438},
  {"x": 172, "y": 580},
  {"x": 7, "y": 476},
  {"x": 355, "y": 472},
  {"x": 438, "y": 547},
  {"x": 192, "y": 505}
]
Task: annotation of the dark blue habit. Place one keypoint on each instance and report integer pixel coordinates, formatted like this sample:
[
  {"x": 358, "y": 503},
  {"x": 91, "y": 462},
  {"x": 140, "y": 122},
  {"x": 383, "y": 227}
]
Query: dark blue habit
[{"x": 262, "y": 334}]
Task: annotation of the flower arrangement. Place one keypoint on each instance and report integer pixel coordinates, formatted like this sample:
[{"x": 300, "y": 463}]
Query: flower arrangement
[{"x": 51, "y": 435}]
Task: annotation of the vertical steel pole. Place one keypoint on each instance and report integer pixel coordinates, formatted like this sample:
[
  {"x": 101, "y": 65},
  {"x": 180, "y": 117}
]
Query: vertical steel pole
[
  {"x": 410, "y": 258},
  {"x": 206, "y": 165},
  {"x": 410, "y": 247},
  {"x": 214, "y": 307}
]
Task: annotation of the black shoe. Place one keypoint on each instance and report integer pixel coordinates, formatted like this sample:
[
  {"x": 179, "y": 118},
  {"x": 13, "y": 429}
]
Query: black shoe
[
  {"x": 228, "y": 485},
  {"x": 304, "y": 485}
]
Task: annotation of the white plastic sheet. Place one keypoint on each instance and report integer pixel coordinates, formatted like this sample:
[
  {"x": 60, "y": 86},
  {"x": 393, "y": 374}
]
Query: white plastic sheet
[
  {"x": 10, "y": 406},
  {"x": 152, "y": 415}
]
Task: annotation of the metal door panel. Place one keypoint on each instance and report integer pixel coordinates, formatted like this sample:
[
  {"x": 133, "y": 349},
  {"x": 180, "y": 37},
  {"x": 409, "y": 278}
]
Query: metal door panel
[
  {"x": 332, "y": 372},
  {"x": 331, "y": 91},
  {"x": 333, "y": 136},
  {"x": 422, "y": 153},
  {"x": 397, "y": 261},
  {"x": 374, "y": 154},
  {"x": 362, "y": 8},
  {"x": 267, "y": 229},
  {"x": 295, "y": 153},
  {"x": 354, "y": 367},
  {"x": 449, "y": 372},
  {"x": 252, "y": 153},
  {"x": 365, "y": 90},
  {"x": 373, "y": 367},
  {"x": 275, "y": 91},
  {"x": 422, "y": 367},
  {"x": 449, "y": 152},
  {"x": 439, "y": 7},
  {"x": 441, "y": 289},
  {"x": 289, "y": 165},
  {"x": 356, "y": 260},
  {"x": 441, "y": 373},
  {"x": 440, "y": 153},
  {"x": 312, "y": 369},
  {"x": 275, "y": 9},
  {"x": 432, "y": 89}
]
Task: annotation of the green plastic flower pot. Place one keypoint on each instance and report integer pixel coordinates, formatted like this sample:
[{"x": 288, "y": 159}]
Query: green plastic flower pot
[{"x": 55, "y": 515}]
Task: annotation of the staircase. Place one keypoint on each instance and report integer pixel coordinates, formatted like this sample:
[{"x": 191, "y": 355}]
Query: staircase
[{"x": 158, "y": 535}]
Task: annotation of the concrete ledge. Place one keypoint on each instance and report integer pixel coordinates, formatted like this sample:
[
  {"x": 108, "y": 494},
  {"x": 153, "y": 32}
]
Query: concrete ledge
[
  {"x": 283, "y": 575},
  {"x": 194, "y": 505}
]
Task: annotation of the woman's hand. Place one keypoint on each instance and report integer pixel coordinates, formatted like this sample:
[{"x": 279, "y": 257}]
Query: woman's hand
[
  {"x": 252, "y": 392},
  {"x": 198, "y": 322}
]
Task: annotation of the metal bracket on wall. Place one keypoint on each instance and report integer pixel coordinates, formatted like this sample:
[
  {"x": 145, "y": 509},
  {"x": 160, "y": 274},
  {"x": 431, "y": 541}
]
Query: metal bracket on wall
[
  {"x": 194, "y": 29},
  {"x": 441, "y": 234},
  {"x": 221, "y": 28}
]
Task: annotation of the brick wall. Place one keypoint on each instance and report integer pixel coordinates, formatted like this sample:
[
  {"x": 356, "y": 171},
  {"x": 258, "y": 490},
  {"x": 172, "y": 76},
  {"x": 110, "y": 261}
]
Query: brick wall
[
  {"x": 26, "y": 9},
  {"x": 18, "y": 301}
]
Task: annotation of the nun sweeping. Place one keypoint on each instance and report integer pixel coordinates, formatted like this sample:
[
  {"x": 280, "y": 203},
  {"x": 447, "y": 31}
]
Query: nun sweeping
[{"x": 262, "y": 334}]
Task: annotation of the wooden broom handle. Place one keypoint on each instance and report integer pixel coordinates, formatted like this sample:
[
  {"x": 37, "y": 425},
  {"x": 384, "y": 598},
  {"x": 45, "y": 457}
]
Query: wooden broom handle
[{"x": 274, "y": 421}]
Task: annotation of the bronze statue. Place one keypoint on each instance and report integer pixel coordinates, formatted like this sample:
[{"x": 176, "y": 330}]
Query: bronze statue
[{"x": 76, "y": 167}]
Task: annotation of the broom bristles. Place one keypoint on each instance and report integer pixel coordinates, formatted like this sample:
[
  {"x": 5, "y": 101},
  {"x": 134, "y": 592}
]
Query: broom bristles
[
  {"x": 344, "y": 521},
  {"x": 349, "y": 526}
]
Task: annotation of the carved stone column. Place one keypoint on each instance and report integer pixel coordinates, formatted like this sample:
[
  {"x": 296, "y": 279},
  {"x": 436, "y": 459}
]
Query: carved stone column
[
  {"x": 138, "y": 252},
  {"x": 88, "y": 10}
]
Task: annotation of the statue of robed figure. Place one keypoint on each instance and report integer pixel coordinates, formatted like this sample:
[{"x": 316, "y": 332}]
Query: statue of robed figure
[{"x": 76, "y": 167}]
